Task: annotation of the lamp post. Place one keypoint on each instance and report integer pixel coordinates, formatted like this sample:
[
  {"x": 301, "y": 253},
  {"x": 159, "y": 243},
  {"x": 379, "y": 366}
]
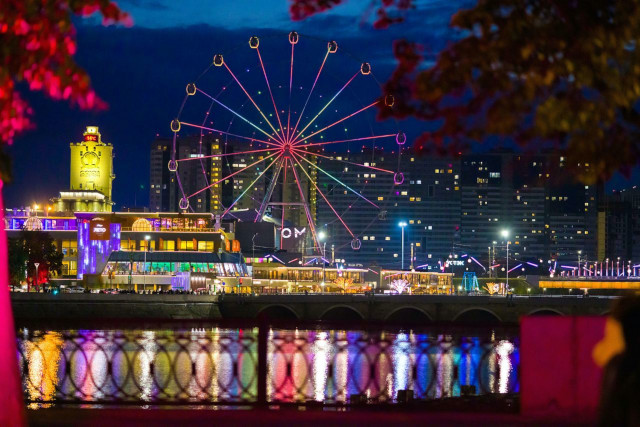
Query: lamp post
[
  {"x": 322, "y": 238},
  {"x": 579, "y": 253},
  {"x": 144, "y": 272},
  {"x": 35, "y": 282},
  {"x": 505, "y": 234},
  {"x": 253, "y": 247},
  {"x": 402, "y": 225}
]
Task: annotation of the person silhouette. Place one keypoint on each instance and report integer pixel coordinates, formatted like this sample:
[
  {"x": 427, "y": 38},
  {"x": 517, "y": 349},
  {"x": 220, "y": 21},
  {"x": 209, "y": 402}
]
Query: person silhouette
[{"x": 619, "y": 353}]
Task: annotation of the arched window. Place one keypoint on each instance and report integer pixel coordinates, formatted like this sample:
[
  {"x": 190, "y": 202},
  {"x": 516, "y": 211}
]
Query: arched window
[{"x": 141, "y": 224}]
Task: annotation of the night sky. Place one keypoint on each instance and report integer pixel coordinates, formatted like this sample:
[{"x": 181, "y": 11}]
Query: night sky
[{"x": 142, "y": 71}]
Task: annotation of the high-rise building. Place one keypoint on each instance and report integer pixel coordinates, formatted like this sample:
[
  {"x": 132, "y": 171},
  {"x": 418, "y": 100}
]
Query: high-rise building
[
  {"x": 457, "y": 207},
  {"x": 427, "y": 201},
  {"x": 198, "y": 173},
  {"x": 91, "y": 177}
]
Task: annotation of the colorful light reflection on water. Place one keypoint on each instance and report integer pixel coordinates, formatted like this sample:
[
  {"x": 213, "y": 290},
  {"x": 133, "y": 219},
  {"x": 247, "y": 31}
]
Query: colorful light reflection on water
[{"x": 221, "y": 365}]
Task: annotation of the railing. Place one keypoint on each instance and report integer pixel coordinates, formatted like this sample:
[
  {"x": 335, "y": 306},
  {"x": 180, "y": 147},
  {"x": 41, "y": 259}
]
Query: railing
[{"x": 259, "y": 366}]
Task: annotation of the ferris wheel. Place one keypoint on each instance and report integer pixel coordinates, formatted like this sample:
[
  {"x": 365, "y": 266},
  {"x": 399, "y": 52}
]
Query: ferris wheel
[{"x": 295, "y": 135}]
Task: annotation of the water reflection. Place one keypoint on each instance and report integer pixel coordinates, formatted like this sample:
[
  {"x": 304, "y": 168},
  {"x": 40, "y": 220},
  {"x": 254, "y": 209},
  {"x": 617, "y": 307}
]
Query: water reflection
[{"x": 221, "y": 365}]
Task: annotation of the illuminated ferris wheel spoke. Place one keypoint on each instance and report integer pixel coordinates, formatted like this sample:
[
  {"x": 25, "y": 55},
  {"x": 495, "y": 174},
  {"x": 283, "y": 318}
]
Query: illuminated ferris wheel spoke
[
  {"x": 326, "y": 106},
  {"x": 300, "y": 141},
  {"x": 309, "y": 96},
  {"x": 278, "y": 142},
  {"x": 324, "y": 198},
  {"x": 339, "y": 182},
  {"x": 290, "y": 88},
  {"x": 351, "y": 140},
  {"x": 235, "y": 153},
  {"x": 284, "y": 185},
  {"x": 271, "y": 94},
  {"x": 250, "y": 186},
  {"x": 272, "y": 185},
  {"x": 299, "y": 152},
  {"x": 235, "y": 173},
  {"x": 232, "y": 134},
  {"x": 306, "y": 208},
  {"x": 253, "y": 102}
]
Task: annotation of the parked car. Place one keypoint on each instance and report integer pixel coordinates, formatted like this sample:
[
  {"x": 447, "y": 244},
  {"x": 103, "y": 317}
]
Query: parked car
[{"x": 75, "y": 290}]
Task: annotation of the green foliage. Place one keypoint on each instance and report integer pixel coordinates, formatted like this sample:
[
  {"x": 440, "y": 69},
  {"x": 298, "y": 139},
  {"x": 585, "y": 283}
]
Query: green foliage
[
  {"x": 18, "y": 258},
  {"x": 31, "y": 247},
  {"x": 562, "y": 75}
]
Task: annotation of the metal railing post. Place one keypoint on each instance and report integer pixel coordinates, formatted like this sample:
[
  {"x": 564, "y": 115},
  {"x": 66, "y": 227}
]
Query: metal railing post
[{"x": 263, "y": 332}]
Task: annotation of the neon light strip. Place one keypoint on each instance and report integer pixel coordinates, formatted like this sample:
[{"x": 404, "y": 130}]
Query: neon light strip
[
  {"x": 532, "y": 264},
  {"x": 252, "y": 101},
  {"x": 235, "y": 173},
  {"x": 306, "y": 208},
  {"x": 309, "y": 262},
  {"x": 569, "y": 267},
  {"x": 495, "y": 265},
  {"x": 326, "y": 261},
  {"x": 324, "y": 198},
  {"x": 311, "y": 91},
  {"x": 476, "y": 261},
  {"x": 240, "y": 116},
  {"x": 519, "y": 265},
  {"x": 253, "y": 183},
  {"x": 351, "y": 140},
  {"x": 298, "y": 150},
  {"x": 276, "y": 258},
  {"x": 373, "y": 271},
  {"x": 341, "y": 183},
  {"x": 225, "y": 154},
  {"x": 326, "y": 106},
  {"x": 300, "y": 141},
  {"x": 293, "y": 260},
  {"x": 423, "y": 266},
  {"x": 270, "y": 93},
  {"x": 231, "y": 134}
]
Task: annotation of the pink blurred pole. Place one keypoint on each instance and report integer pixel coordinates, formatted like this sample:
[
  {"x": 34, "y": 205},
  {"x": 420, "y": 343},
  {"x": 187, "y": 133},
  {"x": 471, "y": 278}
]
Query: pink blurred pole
[{"x": 11, "y": 404}]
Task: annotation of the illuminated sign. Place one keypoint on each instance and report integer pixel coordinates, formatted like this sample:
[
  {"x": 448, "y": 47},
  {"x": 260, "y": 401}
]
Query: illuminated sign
[
  {"x": 91, "y": 138},
  {"x": 99, "y": 229},
  {"x": 292, "y": 237},
  {"x": 287, "y": 233}
]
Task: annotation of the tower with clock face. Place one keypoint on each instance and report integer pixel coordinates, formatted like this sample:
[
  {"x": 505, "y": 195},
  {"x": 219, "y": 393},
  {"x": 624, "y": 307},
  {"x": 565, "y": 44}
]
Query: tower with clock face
[{"x": 91, "y": 175}]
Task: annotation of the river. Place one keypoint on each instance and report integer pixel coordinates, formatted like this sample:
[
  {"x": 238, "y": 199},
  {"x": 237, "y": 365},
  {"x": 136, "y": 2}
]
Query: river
[{"x": 215, "y": 366}]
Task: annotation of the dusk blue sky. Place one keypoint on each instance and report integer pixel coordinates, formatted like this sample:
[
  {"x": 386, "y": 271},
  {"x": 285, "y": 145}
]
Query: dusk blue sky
[{"x": 142, "y": 71}]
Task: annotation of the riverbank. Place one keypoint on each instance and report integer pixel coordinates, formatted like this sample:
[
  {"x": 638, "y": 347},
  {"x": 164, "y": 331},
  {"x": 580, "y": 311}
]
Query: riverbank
[
  {"x": 397, "y": 309},
  {"x": 36, "y": 306}
]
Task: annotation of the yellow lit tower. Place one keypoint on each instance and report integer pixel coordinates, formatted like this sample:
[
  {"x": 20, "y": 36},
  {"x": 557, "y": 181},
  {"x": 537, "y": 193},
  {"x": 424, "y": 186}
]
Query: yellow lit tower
[{"x": 91, "y": 179}]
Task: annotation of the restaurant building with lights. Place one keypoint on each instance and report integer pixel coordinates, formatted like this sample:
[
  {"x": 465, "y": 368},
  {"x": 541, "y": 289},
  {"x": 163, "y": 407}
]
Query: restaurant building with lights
[{"x": 139, "y": 251}]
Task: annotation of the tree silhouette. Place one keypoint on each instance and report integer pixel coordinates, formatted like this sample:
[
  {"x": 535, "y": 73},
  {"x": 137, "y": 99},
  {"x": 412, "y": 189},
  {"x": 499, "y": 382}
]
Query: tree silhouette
[
  {"x": 557, "y": 75},
  {"x": 32, "y": 247},
  {"x": 37, "y": 48}
]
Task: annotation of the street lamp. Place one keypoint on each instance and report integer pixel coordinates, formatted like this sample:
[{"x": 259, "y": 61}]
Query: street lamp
[
  {"x": 402, "y": 224},
  {"x": 579, "y": 253},
  {"x": 322, "y": 238},
  {"x": 505, "y": 234},
  {"x": 144, "y": 272},
  {"x": 37, "y": 264},
  {"x": 253, "y": 248}
]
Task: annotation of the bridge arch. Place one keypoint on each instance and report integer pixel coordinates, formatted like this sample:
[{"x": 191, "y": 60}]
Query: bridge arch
[
  {"x": 545, "y": 311},
  {"x": 278, "y": 311},
  {"x": 477, "y": 315},
  {"x": 408, "y": 314},
  {"x": 341, "y": 313}
]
